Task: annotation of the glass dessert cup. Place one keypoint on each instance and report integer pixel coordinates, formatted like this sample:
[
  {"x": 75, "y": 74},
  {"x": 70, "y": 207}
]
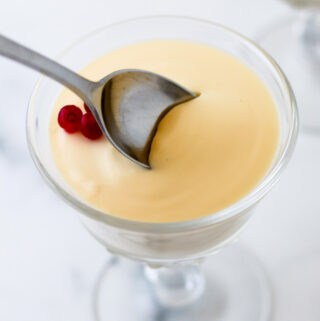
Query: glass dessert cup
[
  {"x": 165, "y": 278},
  {"x": 294, "y": 42}
]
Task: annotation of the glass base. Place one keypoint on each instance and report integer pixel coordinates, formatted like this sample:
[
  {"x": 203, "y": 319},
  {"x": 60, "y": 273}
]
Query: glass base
[
  {"x": 296, "y": 49},
  {"x": 236, "y": 289}
]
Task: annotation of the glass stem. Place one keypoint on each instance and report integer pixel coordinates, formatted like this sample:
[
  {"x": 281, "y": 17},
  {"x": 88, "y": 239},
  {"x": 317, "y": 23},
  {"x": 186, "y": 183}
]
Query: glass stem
[
  {"x": 308, "y": 30},
  {"x": 177, "y": 285}
]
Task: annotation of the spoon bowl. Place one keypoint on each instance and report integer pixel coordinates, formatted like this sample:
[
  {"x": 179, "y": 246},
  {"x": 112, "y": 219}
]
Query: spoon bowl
[{"x": 129, "y": 104}]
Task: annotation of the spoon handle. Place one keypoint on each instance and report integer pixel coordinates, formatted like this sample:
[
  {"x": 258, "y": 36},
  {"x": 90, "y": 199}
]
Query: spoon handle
[{"x": 46, "y": 66}]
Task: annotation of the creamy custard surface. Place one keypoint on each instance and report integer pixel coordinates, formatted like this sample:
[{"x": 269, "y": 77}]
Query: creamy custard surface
[{"x": 207, "y": 153}]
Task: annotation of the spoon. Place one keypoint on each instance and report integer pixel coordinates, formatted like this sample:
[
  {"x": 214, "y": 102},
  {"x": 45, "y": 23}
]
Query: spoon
[{"x": 127, "y": 104}]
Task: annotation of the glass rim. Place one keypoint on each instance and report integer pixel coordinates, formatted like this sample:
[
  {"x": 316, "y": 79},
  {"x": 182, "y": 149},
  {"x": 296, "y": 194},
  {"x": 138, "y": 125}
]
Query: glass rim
[{"x": 234, "y": 209}]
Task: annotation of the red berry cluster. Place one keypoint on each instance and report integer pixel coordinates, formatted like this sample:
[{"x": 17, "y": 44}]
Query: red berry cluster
[{"x": 71, "y": 119}]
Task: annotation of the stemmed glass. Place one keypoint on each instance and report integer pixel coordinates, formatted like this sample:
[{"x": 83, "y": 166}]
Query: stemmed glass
[
  {"x": 295, "y": 44},
  {"x": 165, "y": 277}
]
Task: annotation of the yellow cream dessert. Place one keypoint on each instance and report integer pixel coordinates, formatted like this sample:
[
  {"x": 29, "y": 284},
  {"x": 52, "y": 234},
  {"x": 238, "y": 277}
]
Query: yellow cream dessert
[{"x": 207, "y": 154}]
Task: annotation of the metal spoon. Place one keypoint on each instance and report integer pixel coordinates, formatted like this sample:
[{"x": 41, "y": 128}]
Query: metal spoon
[{"x": 128, "y": 104}]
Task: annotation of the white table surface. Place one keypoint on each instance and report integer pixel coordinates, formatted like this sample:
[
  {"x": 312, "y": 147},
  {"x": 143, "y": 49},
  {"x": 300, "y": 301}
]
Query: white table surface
[{"x": 48, "y": 262}]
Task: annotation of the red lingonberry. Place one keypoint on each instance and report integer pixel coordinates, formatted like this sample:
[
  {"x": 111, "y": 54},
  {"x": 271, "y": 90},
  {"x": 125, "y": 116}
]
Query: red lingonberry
[
  {"x": 89, "y": 127},
  {"x": 69, "y": 118}
]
